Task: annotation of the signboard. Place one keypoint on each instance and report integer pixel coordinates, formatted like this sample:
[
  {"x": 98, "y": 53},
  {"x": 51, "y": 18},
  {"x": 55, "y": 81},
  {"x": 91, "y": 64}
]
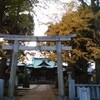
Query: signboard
[{"x": 84, "y": 93}]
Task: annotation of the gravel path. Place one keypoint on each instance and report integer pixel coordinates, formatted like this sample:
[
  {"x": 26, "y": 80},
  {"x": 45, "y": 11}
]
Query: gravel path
[{"x": 37, "y": 92}]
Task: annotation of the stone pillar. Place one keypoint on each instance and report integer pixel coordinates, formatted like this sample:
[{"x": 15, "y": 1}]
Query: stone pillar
[
  {"x": 1, "y": 89},
  {"x": 60, "y": 72},
  {"x": 11, "y": 88},
  {"x": 69, "y": 75}
]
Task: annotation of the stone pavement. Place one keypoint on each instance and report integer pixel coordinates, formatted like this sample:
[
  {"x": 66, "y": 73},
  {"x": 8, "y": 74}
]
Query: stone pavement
[{"x": 37, "y": 92}]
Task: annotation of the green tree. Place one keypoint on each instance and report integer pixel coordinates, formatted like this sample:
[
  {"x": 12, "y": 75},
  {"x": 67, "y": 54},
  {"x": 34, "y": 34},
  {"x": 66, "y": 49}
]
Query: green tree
[
  {"x": 95, "y": 4},
  {"x": 16, "y": 18},
  {"x": 13, "y": 19}
]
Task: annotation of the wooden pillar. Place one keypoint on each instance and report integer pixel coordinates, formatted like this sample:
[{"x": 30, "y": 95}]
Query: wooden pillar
[
  {"x": 60, "y": 71},
  {"x": 12, "y": 79}
]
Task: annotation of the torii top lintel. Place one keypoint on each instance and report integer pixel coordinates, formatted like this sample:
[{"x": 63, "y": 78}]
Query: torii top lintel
[{"x": 37, "y": 38}]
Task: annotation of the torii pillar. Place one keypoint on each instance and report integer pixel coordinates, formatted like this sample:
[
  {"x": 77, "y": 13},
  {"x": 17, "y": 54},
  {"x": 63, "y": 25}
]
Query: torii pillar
[{"x": 11, "y": 87}]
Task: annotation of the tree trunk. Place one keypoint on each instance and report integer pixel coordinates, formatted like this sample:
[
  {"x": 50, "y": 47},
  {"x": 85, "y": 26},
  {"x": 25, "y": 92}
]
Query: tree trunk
[
  {"x": 97, "y": 61},
  {"x": 2, "y": 9}
]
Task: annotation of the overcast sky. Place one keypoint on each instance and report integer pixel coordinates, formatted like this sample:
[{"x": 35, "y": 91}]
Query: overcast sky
[
  {"x": 51, "y": 12},
  {"x": 48, "y": 12}
]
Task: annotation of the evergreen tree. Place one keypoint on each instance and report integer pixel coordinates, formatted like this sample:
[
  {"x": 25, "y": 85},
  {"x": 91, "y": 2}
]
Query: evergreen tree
[{"x": 16, "y": 18}]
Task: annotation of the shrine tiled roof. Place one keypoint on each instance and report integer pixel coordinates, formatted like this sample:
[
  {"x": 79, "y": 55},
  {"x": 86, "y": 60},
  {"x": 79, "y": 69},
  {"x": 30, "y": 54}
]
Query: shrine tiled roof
[{"x": 40, "y": 62}]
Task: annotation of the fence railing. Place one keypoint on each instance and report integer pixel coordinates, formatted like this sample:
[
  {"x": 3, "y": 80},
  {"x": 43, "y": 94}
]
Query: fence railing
[{"x": 83, "y": 91}]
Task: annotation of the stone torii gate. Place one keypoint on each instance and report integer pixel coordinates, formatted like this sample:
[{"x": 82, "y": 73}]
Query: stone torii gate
[{"x": 16, "y": 47}]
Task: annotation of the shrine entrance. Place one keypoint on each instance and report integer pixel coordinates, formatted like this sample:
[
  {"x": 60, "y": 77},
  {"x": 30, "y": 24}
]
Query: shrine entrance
[
  {"x": 43, "y": 75},
  {"x": 17, "y": 46},
  {"x": 40, "y": 71}
]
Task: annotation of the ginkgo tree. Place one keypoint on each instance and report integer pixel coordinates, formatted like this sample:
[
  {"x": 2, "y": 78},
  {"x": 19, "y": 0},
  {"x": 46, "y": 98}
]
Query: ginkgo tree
[
  {"x": 75, "y": 22},
  {"x": 95, "y": 7},
  {"x": 85, "y": 45}
]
